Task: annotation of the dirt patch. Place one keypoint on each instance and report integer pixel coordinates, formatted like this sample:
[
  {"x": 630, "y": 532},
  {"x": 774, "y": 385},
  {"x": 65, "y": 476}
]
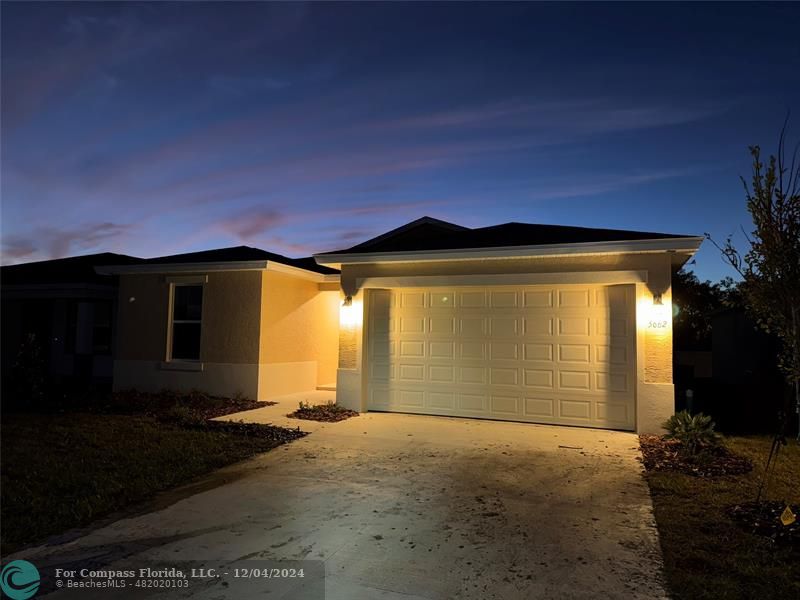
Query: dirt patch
[
  {"x": 328, "y": 413},
  {"x": 764, "y": 518},
  {"x": 659, "y": 454}
]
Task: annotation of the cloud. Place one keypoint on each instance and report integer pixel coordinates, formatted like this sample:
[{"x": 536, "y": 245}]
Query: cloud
[
  {"x": 252, "y": 223},
  {"x": 567, "y": 118},
  {"x": 52, "y": 242},
  {"x": 16, "y": 248},
  {"x": 610, "y": 183}
]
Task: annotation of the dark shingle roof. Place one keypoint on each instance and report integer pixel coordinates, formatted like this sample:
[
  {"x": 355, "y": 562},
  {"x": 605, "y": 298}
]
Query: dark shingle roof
[
  {"x": 432, "y": 234},
  {"x": 240, "y": 254},
  {"x": 75, "y": 269}
]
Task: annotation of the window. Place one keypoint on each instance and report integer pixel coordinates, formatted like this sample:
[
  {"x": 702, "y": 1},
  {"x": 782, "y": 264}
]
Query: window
[
  {"x": 101, "y": 330},
  {"x": 187, "y": 308}
]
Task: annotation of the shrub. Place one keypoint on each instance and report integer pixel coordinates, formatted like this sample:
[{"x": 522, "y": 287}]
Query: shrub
[
  {"x": 183, "y": 415},
  {"x": 28, "y": 372},
  {"x": 694, "y": 432}
]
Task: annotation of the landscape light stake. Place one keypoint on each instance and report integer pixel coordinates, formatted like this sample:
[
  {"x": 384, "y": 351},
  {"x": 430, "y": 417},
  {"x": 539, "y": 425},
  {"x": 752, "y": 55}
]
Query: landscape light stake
[{"x": 777, "y": 441}]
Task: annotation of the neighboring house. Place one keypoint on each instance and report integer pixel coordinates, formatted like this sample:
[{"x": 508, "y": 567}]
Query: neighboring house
[
  {"x": 538, "y": 323},
  {"x": 228, "y": 321},
  {"x": 70, "y": 310}
]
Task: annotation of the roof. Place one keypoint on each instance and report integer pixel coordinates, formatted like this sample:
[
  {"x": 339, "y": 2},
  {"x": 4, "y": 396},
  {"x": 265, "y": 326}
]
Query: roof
[
  {"x": 432, "y": 234},
  {"x": 240, "y": 254},
  {"x": 72, "y": 270}
]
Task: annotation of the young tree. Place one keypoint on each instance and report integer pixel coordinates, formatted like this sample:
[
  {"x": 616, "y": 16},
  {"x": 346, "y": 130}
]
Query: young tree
[{"x": 770, "y": 270}]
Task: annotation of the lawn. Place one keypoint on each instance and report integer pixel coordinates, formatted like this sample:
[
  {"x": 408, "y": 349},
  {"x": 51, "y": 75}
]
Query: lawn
[
  {"x": 706, "y": 554},
  {"x": 65, "y": 470}
]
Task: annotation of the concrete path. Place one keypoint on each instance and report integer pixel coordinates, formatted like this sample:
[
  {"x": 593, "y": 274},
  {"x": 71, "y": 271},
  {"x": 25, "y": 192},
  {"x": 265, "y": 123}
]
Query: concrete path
[{"x": 409, "y": 507}]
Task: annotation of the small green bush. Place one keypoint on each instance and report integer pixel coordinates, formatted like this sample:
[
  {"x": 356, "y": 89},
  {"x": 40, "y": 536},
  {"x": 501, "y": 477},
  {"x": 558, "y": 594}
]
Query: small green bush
[{"x": 694, "y": 432}]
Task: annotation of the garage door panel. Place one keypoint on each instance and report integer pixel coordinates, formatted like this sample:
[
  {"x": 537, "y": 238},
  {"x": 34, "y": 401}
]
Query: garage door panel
[
  {"x": 573, "y": 298},
  {"x": 538, "y": 351},
  {"x": 547, "y": 354},
  {"x": 503, "y": 376},
  {"x": 442, "y": 299},
  {"x": 580, "y": 353},
  {"x": 442, "y": 350},
  {"x": 502, "y": 299},
  {"x": 537, "y": 299},
  {"x": 539, "y": 325},
  {"x": 412, "y": 349},
  {"x": 615, "y": 412},
  {"x": 572, "y": 408},
  {"x": 472, "y": 299},
  {"x": 539, "y": 407},
  {"x": 472, "y": 327},
  {"x": 505, "y": 405},
  {"x": 572, "y": 326},
  {"x": 441, "y": 374},
  {"x": 504, "y": 350},
  {"x": 540, "y": 378},
  {"x": 472, "y": 375},
  {"x": 472, "y": 350}
]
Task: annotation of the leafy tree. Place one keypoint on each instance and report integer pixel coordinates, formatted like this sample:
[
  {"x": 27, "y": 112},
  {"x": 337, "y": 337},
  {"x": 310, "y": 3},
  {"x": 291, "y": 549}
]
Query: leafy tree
[
  {"x": 696, "y": 303},
  {"x": 770, "y": 270}
]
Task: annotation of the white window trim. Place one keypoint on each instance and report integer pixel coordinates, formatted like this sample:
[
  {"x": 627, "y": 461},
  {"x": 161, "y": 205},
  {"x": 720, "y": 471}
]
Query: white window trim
[{"x": 183, "y": 364}]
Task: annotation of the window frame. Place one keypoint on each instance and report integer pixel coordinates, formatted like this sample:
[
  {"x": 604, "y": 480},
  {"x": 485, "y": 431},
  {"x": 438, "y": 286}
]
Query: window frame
[{"x": 174, "y": 283}]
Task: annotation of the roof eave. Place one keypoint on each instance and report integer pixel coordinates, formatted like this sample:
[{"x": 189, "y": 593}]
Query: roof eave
[
  {"x": 205, "y": 267},
  {"x": 685, "y": 246}
]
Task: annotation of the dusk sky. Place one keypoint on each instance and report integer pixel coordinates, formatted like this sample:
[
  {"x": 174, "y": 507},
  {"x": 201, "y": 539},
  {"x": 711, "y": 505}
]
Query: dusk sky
[{"x": 152, "y": 129}]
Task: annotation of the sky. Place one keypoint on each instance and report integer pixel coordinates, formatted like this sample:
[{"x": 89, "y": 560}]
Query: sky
[{"x": 159, "y": 128}]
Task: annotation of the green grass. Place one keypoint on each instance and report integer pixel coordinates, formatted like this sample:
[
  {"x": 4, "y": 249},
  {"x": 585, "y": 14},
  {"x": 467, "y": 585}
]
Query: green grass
[
  {"x": 63, "y": 471},
  {"x": 706, "y": 555}
]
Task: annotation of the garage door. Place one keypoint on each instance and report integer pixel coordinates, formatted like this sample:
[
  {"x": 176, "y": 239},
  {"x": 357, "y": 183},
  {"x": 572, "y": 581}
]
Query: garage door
[{"x": 543, "y": 354}]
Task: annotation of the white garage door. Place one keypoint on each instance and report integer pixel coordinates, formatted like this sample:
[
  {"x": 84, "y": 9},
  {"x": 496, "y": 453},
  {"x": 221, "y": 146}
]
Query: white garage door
[{"x": 544, "y": 354}]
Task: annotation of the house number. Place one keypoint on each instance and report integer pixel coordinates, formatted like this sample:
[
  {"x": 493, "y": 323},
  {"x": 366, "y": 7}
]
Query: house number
[{"x": 657, "y": 325}]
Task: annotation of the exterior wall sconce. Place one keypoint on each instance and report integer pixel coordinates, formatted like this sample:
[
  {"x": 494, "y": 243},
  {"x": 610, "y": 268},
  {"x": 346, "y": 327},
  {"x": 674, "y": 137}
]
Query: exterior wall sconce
[
  {"x": 657, "y": 300},
  {"x": 349, "y": 313}
]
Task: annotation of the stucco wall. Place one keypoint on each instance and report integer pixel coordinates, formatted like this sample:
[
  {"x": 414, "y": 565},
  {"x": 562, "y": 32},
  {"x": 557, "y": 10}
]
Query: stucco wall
[
  {"x": 142, "y": 317},
  {"x": 231, "y": 313},
  {"x": 299, "y": 323},
  {"x": 653, "y": 263}
]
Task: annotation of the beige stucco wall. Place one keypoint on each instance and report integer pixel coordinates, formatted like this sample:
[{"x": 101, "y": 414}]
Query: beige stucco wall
[
  {"x": 299, "y": 323},
  {"x": 654, "y": 344},
  {"x": 263, "y": 333},
  {"x": 142, "y": 317},
  {"x": 229, "y": 338},
  {"x": 231, "y": 314}
]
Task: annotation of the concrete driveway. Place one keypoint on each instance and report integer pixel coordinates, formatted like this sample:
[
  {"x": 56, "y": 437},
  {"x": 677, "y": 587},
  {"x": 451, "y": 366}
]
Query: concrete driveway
[{"x": 411, "y": 507}]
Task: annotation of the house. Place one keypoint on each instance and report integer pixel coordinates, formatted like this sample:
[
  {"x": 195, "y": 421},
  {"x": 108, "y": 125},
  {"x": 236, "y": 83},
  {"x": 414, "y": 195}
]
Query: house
[
  {"x": 538, "y": 323},
  {"x": 69, "y": 309},
  {"x": 229, "y": 321}
]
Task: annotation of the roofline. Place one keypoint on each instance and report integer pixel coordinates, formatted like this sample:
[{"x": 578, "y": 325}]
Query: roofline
[
  {"x": 415, "y": 223},
  {"x": 244, "y": 265},
  {"x": 688, "y": 245}
]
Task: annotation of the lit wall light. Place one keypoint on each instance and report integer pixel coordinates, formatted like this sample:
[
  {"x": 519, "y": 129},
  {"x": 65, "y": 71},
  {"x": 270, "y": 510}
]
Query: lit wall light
[
  {"x": 658, "y": 300},
  {"x": 349, "y": 313}
]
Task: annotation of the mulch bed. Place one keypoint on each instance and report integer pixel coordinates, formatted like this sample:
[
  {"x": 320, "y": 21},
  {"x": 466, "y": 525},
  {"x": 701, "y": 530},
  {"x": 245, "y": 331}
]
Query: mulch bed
[
  {"x": 279, "y": 435},
  {"x": 659, "y": 454},
  {"x": 764, "y": 518},
  {"x": 328, "y": 413},
  {"x": 157, "y": 404}
]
